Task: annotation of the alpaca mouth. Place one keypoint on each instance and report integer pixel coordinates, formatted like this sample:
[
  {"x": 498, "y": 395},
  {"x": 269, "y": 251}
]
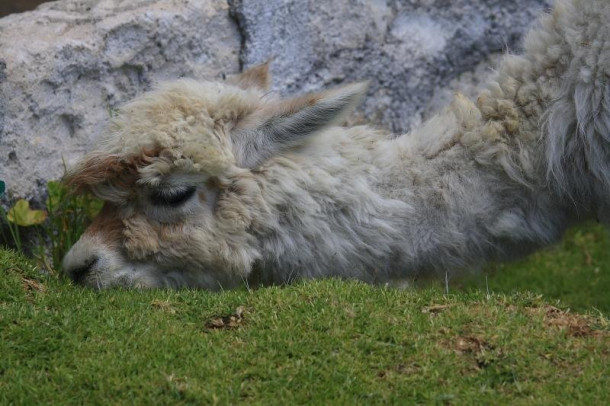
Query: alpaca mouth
[
  {"x": 147, "y": 276},
  {"x": 123, "y": 277}
]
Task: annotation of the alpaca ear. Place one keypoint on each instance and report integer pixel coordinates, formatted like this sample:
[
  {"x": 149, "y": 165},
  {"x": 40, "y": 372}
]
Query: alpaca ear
[
  {"x": 288, "y": 123},
  {"x": 257, "y": 77}
]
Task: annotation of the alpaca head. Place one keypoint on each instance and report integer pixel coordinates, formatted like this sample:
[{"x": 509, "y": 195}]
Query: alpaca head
[{"x": 177, "y": 170}]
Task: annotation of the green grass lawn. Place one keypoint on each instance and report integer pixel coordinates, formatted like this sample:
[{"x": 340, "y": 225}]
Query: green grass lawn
[
  {"x": 575, "y": 272},
  {"x": 318, "y": 341}
]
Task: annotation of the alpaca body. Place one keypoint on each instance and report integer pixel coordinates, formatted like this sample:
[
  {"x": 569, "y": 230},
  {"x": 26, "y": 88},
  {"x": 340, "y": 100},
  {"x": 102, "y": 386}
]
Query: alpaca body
[
  {"x": 400, "y": 208},
  {"x": 211, "y": 184}
]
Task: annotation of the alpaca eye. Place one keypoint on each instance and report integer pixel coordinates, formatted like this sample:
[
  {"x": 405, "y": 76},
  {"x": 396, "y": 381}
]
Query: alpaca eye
[{"x": 172, "y": 197}]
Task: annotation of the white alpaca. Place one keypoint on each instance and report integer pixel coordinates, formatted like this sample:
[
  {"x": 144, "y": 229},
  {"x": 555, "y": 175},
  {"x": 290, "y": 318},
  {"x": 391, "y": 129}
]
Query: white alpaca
[{"x": 212, "y": 184}]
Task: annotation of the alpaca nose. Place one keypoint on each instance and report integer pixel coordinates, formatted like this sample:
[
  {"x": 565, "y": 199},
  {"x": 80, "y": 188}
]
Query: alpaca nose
[
  {"x": 81, "y": 260},
  {"x": 79, "y": 274}
]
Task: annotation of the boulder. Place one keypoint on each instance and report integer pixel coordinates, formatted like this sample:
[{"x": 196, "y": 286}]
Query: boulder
[
  {"x": 406, "y": 49},
  {"x": 67, "y": 65}
]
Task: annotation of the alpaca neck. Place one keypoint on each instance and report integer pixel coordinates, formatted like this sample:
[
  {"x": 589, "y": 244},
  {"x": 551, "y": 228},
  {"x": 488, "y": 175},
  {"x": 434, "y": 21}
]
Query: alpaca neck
[
  {"x": 509, "y": 113},
  {"x": 545, "y": 112},
  {"x": 486, "y": 194},
  {"x": 475, "y": 193}
]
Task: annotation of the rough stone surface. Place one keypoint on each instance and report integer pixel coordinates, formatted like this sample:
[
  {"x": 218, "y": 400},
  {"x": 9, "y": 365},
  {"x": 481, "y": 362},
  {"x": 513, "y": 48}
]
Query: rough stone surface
[
  {"x": 406, "y": 48},
  {"x": 65, "y": 66}
]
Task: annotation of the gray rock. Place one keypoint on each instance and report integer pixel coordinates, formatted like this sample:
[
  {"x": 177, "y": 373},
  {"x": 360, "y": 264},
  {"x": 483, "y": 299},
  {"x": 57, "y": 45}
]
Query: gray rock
[
  {"x": 65, "y": 66},
  {"x": 406, "y": 48}
]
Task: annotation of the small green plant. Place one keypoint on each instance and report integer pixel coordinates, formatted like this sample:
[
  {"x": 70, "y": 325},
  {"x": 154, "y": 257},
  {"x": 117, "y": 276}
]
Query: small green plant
[
  {"x": 21, "y": 215},
  {"x": 13, "y": 228},
  {"x": 69, "y": 215},
  {"x": 57, "y": 228}
]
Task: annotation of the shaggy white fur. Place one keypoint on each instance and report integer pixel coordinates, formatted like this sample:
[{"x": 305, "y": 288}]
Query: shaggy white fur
[{"x": 212, "y": 184}]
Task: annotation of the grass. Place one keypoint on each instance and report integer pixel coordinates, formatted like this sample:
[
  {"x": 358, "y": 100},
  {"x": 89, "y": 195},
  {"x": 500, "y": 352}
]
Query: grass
[
  {"x": 314, "y": 342},
  {"x": 576, "y": 272}
]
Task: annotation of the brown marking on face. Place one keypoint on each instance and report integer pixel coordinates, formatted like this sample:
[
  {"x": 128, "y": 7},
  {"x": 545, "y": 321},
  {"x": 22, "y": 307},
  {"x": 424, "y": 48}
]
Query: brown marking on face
[
  {"x": 141, "y": 238},
  {"x": 170, "y": 231},
  {"x": 202, "y": 197},
  {"x": 213, "y": 183},
  {"x": 107, "y": 226},
  {"x": 118, "y": 171}
]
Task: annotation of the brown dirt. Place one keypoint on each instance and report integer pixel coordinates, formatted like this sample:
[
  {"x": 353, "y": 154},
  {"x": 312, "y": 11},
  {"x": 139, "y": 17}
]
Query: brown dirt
[
  {"x": 226, "y": 322},
  {"x": 576, "y": 325}
]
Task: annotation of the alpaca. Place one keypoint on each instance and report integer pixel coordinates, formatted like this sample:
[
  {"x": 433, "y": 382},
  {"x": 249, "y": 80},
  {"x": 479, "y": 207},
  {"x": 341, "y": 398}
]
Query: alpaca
[{"x": 213, "y": 184}]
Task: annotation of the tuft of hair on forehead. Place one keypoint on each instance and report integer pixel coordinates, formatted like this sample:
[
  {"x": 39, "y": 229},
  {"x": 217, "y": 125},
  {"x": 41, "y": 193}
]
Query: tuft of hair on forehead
[{"x": 117, "y": 171}]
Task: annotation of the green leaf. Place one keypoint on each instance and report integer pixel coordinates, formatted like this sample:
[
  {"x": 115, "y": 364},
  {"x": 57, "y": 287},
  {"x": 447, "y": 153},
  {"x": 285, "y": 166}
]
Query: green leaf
[
  {"x": 22, "y": 215},
  {"x": 94, "y": 207},
  {"x": 2, "y": 187},
  {"x": 56, "y": 194}
]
